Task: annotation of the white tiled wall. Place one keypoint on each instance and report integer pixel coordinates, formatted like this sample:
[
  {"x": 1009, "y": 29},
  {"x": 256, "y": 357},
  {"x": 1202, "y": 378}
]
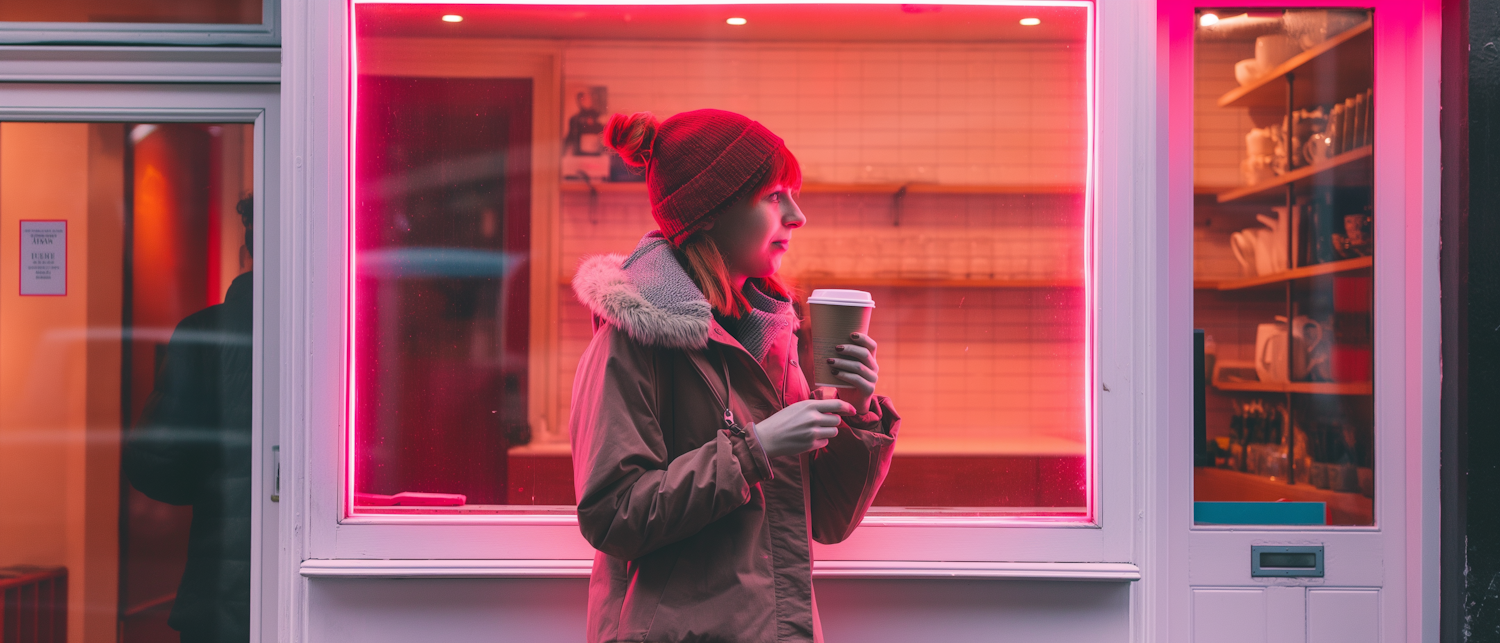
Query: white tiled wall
[
  {"x": 1219, "y": 132},
  {"x": 972, "y": 369},
  {"x": 976, "y": 369},
  {"x": 992, "y": 114}
]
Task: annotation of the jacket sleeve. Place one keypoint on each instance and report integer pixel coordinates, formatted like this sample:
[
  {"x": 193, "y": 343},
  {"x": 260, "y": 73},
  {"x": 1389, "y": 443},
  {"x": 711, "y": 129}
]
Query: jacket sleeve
[
  {"x": 168, "y": 453},
  {"x": 631, "y": 499},
  {"x": 844, "y": 476}
]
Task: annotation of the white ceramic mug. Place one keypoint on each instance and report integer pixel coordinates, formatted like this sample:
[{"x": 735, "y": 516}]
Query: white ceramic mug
[
  {"x": 1270, "y": 351},
  {"x": 1242, "y": 243}
]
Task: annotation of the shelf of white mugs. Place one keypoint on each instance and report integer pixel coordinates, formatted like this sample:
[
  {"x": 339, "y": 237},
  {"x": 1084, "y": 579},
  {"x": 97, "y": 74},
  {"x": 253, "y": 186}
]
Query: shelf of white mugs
[
  {"x": 1339, "y": 66},
  {"x": 573, "y": 185},
  {"x": 1309, "y": 388},
  {"x": 1348, "y": 168},
  {"x": 876, "y": 255},
  {"x": 1315, "y": 270}
]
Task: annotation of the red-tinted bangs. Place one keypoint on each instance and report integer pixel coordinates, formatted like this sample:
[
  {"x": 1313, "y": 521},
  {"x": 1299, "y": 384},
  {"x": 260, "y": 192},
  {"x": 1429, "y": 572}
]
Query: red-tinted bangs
[{"x": 784, "y": 170}]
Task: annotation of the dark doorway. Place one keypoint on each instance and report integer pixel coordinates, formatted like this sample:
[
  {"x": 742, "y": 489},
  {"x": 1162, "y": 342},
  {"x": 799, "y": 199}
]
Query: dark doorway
[{"x": 443, "y": 297}]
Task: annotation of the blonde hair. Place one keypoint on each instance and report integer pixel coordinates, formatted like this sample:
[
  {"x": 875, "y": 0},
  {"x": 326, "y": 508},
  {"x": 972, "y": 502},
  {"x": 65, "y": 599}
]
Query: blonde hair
[{"x": 705, "y": 265}]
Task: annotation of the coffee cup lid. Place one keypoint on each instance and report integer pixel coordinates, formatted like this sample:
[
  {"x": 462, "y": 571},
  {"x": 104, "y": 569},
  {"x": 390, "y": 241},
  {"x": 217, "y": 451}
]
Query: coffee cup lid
[{"x": 838, "y": 297}]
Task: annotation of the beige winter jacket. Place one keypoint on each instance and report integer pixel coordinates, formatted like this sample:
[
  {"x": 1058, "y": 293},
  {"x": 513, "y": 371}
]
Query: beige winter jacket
[{"x": 700, "y": 537}]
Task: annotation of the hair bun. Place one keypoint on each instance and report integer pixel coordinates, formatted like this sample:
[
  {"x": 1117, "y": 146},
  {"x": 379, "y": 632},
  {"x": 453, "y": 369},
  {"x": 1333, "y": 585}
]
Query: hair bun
[{"x": 632, "y": 137}]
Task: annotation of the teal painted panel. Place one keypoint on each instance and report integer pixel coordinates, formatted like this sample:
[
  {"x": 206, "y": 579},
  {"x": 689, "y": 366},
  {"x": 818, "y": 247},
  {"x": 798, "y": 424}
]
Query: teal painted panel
[{"x": 1260, "y": 513}]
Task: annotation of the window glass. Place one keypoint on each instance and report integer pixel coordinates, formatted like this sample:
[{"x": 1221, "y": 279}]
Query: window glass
[
  {"x": 238, "y": 12},
  {"x": 944, "y": 150},
  {"x": 125, "y": 380},
  {"x": 1283, "y": 256}
]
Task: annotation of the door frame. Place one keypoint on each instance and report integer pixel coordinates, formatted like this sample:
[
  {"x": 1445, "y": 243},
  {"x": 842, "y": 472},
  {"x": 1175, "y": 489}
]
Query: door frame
[
  {"x": 1399, "y": 555},
  {"x": 260, "y": 105}
]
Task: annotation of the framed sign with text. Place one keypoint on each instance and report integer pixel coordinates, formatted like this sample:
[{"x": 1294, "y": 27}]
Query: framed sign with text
[{"x": 44, "y": 258}]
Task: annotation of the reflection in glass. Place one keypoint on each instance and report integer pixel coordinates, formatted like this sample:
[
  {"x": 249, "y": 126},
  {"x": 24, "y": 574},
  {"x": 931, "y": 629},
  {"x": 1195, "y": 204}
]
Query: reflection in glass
[
  {"x": 1284, "y": 244},
  {"x": 944, "y": 152},
  {"x": 125, "y": 390}
]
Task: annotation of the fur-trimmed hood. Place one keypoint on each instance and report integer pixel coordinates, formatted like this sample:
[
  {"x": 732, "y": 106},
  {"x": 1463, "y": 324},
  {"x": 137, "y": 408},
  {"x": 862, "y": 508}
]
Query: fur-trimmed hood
[{"x": 647, "y": 294}]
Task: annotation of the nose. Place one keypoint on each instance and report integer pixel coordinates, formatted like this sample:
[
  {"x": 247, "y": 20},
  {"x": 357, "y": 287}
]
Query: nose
[{"x": 791, "y": 215}]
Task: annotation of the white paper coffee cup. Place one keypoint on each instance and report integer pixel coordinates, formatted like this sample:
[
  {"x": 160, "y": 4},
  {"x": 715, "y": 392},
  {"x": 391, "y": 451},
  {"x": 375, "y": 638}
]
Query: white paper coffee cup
[{"x": 836, "y": 314}]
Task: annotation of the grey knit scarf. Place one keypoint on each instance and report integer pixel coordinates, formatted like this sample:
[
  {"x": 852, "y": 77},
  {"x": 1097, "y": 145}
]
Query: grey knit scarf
[{"x": 769, "y": 318}]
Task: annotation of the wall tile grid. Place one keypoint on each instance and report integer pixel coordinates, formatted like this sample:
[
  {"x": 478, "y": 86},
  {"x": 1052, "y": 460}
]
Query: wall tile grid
[
  {"x": 1219, "y": 132},
  {"x": 996, "y": 367},
  {"x": 989, "y": 369},
  {"x": 991, "y": 114},
  {"x": 1219, "y": 147}
]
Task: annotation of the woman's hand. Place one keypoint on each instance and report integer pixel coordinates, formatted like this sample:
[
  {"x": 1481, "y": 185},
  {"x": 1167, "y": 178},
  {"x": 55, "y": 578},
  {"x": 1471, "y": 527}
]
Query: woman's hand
[
  {"x": 801, "y": 427},
  {"x": 857, "y": 367}
]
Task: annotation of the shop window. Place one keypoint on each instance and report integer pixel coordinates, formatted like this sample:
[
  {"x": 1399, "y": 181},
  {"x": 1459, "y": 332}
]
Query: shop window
[
  {"x": 1283, "y": 267},
  {"x": 126, "y": 345},
  {"x": 945, "y": 155},
  {"x": 234, "y": 12}
]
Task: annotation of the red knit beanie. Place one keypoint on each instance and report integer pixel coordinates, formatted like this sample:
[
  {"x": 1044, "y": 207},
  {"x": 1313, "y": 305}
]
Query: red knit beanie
[{"x": 696, "y": 162}]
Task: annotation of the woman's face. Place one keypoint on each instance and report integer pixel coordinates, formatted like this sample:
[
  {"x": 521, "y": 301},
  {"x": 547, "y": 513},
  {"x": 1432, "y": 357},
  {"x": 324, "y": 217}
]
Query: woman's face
[{"x": 754, "y": 235}]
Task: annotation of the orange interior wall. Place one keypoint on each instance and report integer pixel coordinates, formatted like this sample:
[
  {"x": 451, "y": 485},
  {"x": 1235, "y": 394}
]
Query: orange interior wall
[
  {"x": 170, "y": 249},
  {"x": 234, "y": 151},
  {"x": 59, "y": 366},
  {"x": 170, "y": 241}
]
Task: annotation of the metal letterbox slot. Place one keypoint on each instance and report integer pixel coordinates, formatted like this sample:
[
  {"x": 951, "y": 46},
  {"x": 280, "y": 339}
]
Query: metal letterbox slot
[{"x": 1286, "y": 560}]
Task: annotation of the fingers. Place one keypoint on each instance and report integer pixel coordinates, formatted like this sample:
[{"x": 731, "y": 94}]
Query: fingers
[
  {"x": 826, "y": 419},
  {"x": 861, "y": 384},
  {"x": 834, "y": 407},
  {"x": 864, "y": 341},
  {"x": 825, "y": 433},
  {"x": 850, "y": 366}
]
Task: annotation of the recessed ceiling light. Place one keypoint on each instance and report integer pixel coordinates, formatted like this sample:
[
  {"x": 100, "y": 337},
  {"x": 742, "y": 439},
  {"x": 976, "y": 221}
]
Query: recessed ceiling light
[
  {"x": 736, "y": 21},
  {"x": 1208, "y": 19},
  {"x": 1031, "y": 22},
  {"x": 453, "y": 17}
]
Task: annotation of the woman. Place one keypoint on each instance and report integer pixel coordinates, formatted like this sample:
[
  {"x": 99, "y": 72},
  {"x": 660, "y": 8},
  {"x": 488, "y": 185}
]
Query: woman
[{"x": 700, "y": 463}]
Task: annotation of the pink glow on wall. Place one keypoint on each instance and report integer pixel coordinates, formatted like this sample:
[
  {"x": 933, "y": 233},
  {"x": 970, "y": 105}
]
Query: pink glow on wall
[{"x": 474, "y": 18}]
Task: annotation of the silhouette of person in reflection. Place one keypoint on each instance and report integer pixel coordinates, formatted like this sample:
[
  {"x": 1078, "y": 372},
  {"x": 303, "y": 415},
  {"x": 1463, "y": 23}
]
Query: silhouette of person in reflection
[{"x": 192, "y": 447}]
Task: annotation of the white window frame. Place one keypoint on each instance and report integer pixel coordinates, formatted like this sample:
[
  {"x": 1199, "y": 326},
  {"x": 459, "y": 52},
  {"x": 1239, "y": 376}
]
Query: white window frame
[
  {"x": 207, "y": 103},
  {"x": 265, "y": 34},
  {"x": 1129, "y": 351}
]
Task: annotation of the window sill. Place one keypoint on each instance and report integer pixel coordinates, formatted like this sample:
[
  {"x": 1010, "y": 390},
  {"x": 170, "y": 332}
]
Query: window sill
[{"x": 832, "y": 569}]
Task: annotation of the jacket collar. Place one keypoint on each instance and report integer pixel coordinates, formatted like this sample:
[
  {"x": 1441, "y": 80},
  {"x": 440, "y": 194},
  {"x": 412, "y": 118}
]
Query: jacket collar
[
  {"x": 650, "y": 296},
  {"x": 646, "y": 294}
]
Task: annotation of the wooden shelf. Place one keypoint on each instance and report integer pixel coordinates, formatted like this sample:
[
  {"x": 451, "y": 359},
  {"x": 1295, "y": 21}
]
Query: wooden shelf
[
  {"x": 1309, "y": 388},
  {"x": 1350, "y": 168},
  {"x": 602, "y": 186},
  {"x": 808, "y": 283},
  {"x": 857, "y": 188},
  {"x": 1336, "y": 69},
  {"x": 1332, "y": 267},
  {"x": 896, "y": 282}
]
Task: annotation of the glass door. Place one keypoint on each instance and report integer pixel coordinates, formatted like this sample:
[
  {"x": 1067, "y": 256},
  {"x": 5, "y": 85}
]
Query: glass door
[
  {"x": 135, "y": 459},
  {"x": 1295, "y": 474},
  {"x": 1283, "y": 254},
  {"x": 125, "y": 375}
]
